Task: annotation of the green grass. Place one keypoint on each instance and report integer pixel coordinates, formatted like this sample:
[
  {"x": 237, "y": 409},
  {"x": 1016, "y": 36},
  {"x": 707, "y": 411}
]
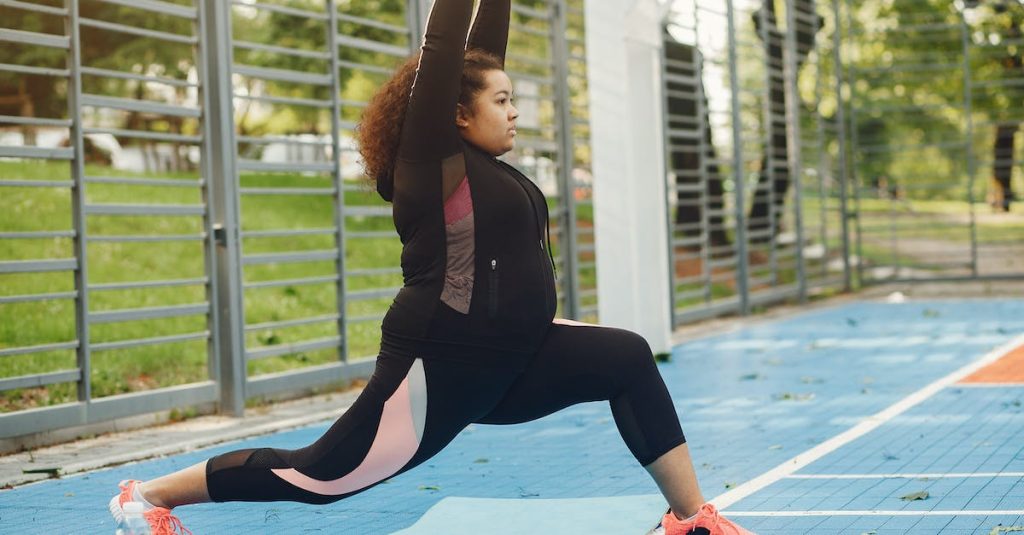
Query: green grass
[{"x": 159, "y": 365}]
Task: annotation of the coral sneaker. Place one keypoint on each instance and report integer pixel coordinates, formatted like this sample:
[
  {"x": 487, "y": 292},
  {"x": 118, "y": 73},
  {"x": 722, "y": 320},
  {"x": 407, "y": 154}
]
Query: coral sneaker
[
  {"x": 706, "y": 521},
  {"x": 160, "y": 519}
]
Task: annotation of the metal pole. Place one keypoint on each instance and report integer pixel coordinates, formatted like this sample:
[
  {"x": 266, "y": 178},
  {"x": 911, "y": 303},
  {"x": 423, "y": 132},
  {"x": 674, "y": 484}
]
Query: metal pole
[
  {"x": 854, "y": 142},
  {"x": 209, "y": 243},
  {"x": 969, "y": 144},
  {"x": 339, "y": 183},
  {"x": 819, "y": 124},
  {"x": 78, "y": 202},
  {"x": 567, "y": 246},
  {"x": 220, "y": 151},
  {"x": 704, "y": 149},
  {"x": 841, "y": 134},
  {"x": 791, "y": 73},
  {"x": 737, "y": 162},
  {"x": 769, "y": 143},
  {"x": 670, "y": 186}
]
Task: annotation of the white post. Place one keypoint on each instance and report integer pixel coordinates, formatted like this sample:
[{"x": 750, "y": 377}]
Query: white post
[{"x": 630, "y": 209}]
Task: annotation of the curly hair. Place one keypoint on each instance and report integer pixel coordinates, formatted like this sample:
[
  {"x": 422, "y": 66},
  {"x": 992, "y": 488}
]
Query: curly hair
[{"x": 380, "y": 127}]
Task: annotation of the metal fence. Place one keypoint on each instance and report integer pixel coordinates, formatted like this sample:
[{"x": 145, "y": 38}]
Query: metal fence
[
  {"x": 933, "y": 126},
  {"x": 187, "y": 222},
  {"x": 818, "y": 146},
  {"x": 755, "y": 198}
]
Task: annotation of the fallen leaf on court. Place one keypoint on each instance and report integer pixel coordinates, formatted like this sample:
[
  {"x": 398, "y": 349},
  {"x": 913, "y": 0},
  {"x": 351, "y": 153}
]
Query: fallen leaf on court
[
  {"x": 750, "y": 377},
  {"x": 851, "y": 322},
  {"x": 807, "y": 380},
  {"x": 69, "y": 494},
  {"x": 914, "y": 496},
  {"x": 775, "y": 447},
  {"x": 790, "y": 396},
  {"x": 663, "y": 357},
  {"x": 930, "y": 313},
  {"x": 729, "y": 485},
  {"x": 429, "y": 487},
  {"x": 773, "y": 361},
  {"x": 1005, "y": 529},
  {"x": 481, "y": 460},
  {"x": 872, "y": 532}
]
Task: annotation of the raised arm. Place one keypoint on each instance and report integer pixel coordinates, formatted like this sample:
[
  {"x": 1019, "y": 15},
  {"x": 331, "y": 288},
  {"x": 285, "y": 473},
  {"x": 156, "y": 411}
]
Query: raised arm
[
  {"x": 490, "y": 30},
  {"x": 429, "y": 131}
]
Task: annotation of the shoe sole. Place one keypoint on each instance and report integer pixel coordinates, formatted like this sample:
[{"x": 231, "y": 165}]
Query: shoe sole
[{"x": 116, "y": 510}]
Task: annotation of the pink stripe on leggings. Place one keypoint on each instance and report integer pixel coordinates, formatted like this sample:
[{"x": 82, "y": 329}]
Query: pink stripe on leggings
[{"x": 393, "y": 447}]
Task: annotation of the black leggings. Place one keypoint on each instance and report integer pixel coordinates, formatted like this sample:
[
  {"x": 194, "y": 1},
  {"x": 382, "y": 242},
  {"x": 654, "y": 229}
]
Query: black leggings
[{"x": 412, "y": 408}]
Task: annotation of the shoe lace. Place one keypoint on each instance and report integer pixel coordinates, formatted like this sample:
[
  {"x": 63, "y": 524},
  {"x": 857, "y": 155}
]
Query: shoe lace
[
  {"x": 712, "y": 514},
  {"x": 163, "y": 522}
]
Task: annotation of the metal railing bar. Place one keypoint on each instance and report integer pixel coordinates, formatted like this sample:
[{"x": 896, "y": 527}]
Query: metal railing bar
[
  {"x": 142, "y": 134},
  {"x": 372, "y": 46},
  {"x": 116, "y": 286},
  {"x": 546, "y": 81},
  {"x": 282, "y": 75},
  {"x": 281, "y": 258},
  {"x": 42, "y": 71},
  {"x": 372, "y": 234},
  {"x": 290, "y": 282},
  {"x": 373, "y": 23},
  {"x": 293, "y": 101},
  {"x": 291, "y": 323},
  {"x": 256, "y": 165},
  {"x": 281, "y": 139},
  {"x": 156, "y": 6},
  {"x": 34, "y": 121},
  {"x": 37, "y": 234},
  {"x": 530, "y": 60},
  {"x": 364, "y": 319},
  {"x": 49, "y": 10},
  {"x": 367, "y": 211},
  {"x": 10, "y": 299},
  {"x": 287, "y": 233},
  {"x": 170, "y": 182},
  {"x": 141, "y": 32},
  {"x": 139, "y": 342},
  {"x": 41, "y": 379},
  {"x": 364, "y": 67},
  {"x": 531, "y": 12},
  {"x": 287, "y": 191},
  {"x": 146, "y": 239},
  {"x": 29, "y": 266},
  {"x": 302, "y": 13},
  {"x": 145, "y": 209},
  {"x": 141, "y": 106},
  {"x": 297, "y": 52},
  {"x": 96, "y": 71},
  {"x": 35, "y": 38},
  {"x": 369, "y": 272},
  {"x": 133, "y": 314},
  {"x": 7, "y": 151},
  {"x": 42, "y": 348},
  {"x": 364, "y": 295},
  {"x": 521, "y": 28},
  {"x": 285, "y": 349}
]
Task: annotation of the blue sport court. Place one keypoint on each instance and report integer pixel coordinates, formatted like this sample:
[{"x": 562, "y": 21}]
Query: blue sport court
[{"x": 864, "y": 418}]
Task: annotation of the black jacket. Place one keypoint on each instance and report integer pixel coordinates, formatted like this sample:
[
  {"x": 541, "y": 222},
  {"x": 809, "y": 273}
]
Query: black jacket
[{"x": 513, "y": 298}]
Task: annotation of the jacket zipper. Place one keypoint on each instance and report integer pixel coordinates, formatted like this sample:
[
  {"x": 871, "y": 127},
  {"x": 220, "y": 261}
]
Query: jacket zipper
[
  {"x": 492, "y": 289},
  {"x": 540, "y": 236}
]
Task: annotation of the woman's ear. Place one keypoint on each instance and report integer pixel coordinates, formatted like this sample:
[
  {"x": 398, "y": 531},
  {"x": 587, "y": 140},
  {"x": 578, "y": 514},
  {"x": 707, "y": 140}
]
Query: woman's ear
[{"x": 461, "y": 116}]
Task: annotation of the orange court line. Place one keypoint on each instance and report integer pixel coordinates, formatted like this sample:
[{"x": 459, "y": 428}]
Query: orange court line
[{"x": 1008, "y": 369}]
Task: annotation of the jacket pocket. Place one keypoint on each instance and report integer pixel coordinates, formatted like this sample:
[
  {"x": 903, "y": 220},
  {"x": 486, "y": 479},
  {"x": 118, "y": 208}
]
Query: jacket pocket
[{"x": 492, "y": 289}]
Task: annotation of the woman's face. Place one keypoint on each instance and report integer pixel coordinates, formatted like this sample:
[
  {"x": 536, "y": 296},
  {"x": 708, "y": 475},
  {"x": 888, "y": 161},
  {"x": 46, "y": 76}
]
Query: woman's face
[{"x": 491, "y": 124}]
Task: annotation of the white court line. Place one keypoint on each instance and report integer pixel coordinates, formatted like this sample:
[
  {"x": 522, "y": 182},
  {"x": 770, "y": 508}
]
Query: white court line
[
  {"x": 905, "y": 476},
  {"x": 1008, "y": 512},
  {"x": 865, "y": 426}
]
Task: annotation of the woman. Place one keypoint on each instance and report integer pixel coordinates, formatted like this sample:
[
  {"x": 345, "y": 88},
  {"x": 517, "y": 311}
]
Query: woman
[{"x": 471, "y": 336}]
